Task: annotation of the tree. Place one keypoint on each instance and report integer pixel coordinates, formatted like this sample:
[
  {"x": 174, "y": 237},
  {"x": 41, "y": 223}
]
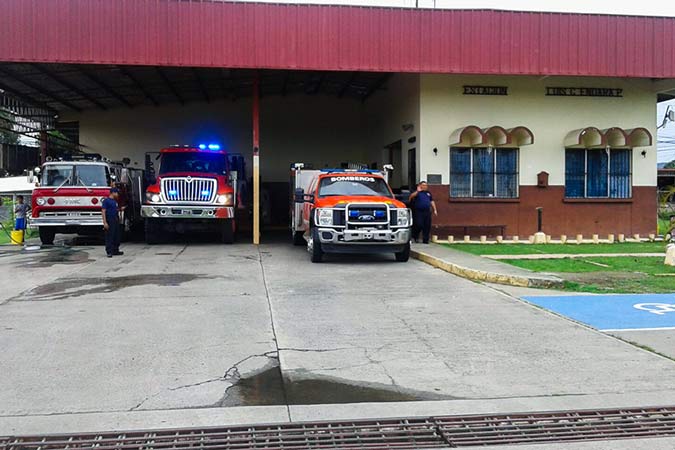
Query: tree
[
  {"x": 6, "y": 135},
  {"x": 670, "y": 165}
]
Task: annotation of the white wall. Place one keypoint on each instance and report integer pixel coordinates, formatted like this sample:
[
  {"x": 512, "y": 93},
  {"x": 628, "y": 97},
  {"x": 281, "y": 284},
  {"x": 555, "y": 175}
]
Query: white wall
[
  {"x": 320, "y": 130},
  {"x": 443, "y": 109}
]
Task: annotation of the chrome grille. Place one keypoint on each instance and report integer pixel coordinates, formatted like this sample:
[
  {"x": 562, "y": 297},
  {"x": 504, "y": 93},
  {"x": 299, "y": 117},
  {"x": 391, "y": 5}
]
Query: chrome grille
[{"x": 188, "y": 190}]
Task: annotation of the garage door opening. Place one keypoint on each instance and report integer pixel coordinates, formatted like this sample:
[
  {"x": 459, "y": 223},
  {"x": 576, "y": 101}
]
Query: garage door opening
[{"x": 323, "y": 119}]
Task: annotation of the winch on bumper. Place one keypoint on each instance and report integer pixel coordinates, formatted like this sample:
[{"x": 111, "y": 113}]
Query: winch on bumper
[{"x": 187, "y": 212}]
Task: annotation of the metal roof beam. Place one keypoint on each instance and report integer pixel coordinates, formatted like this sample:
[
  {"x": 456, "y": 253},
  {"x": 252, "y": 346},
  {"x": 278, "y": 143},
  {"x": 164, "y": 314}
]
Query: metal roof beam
[
  {"x": 36, "y": 87},
  {"x": 73, "y": 87},
  {"x": 317, "y": 84},
  {"x": 284, "y": 86},
  {"x": 61, "y": 80},
  {"x": 200, "y": 83},
  {"x": 375, "y": 87},
  {"x": 97, "y": 81},
  {"x": 29, "y": 101},
  {"x": 169, "y": 85},
  {"x": 347, "y": 84},
  {"x": 138, "y": 84}
]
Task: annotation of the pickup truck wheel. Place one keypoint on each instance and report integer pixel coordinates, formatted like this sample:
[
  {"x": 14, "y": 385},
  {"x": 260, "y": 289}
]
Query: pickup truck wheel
[
  {"x": 46, "y": 235},
  {"x": 227, "y": 231},
  {"x": 403, "y": 255},
  {"x": 152, "y": 232},
  {"x": 299, "y": 238},
  {"x": 314, "y": 247}
]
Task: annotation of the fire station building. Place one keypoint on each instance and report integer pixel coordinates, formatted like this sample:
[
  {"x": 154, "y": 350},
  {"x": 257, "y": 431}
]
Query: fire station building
[{"x": 501, "y": 112}]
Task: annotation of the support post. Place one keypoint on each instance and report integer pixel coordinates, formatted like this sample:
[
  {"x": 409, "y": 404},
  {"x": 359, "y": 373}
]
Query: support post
[
  {"x": 43, "y": 147},
  {"x": 256, "y": 160}
]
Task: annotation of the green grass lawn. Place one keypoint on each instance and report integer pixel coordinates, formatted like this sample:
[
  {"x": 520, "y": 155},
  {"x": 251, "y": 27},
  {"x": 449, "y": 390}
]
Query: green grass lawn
[
  {"x": 4, "y": 236},
  {"x": 607, "y": 274},
  {"x": 529, "y": 249}
]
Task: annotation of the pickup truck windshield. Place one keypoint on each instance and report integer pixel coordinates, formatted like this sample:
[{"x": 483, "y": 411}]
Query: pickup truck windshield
[
  {"x": 353, "y": 185},
  {"x": 196, "y": 162}
]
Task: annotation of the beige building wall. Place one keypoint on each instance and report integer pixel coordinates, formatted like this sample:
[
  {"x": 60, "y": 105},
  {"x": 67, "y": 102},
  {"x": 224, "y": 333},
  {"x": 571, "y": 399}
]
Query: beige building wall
[
  {"x": 444, "y": 108},
  {"x": 320, "y": 130}
]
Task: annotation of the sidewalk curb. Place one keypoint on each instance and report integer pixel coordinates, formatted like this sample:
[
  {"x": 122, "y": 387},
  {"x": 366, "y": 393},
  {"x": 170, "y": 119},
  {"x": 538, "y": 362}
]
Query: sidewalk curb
[{"x": 490, "y": 277}]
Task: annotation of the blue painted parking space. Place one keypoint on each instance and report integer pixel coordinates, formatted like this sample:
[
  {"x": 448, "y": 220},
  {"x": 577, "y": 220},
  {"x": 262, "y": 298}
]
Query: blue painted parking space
[{"x": 615, "y": 311}]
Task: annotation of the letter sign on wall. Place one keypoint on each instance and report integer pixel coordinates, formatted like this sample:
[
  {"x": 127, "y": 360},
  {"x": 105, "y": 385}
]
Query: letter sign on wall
[
  {"x": 486, "y": 90},
  {"x": 583, "y": 92}
]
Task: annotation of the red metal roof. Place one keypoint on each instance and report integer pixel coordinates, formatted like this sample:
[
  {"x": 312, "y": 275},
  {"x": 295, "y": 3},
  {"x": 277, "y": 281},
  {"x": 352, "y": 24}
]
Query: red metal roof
[{"x": 286, "y": 36}]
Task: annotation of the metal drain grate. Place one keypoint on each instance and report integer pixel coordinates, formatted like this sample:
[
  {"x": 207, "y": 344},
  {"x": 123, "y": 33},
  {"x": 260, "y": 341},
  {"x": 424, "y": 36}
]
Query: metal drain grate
[
  {"x": 583, "y": 425},
  {"x": 412, "y": 433}
]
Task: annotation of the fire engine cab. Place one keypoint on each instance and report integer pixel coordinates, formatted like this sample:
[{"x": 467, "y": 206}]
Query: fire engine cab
[
  {"x": 194, "y": 188},
  {"x": 348, "y": 211},
  {"x": 68, "y": 196}
]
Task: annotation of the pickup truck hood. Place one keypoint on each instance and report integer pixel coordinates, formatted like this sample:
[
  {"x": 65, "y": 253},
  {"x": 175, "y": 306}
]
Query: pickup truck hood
[{"x": 331, "y": 202}]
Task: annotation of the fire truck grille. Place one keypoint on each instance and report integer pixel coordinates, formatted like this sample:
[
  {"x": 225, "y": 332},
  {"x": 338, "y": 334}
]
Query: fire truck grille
[
  {"x": 404, "y": 433},
  {"x": 189, "y": 190}
]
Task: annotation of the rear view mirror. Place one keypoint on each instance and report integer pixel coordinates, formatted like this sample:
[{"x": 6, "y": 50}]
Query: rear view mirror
[{"x": 299, "y": 195}]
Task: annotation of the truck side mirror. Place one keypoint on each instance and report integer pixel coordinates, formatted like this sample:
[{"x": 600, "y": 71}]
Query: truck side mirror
[{"x": 299, "y": 195}]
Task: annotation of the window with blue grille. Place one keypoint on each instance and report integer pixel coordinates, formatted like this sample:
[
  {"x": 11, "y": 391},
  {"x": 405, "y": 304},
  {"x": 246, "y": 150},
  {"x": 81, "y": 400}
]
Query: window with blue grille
[
  {"x": 598, "y": 173},
  {"x": 484, "y": 172}
]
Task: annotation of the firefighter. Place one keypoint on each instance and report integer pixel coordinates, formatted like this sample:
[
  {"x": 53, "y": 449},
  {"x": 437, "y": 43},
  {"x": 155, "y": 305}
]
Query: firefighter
[
  {"x": 423, "y": 206},
  {"x": 111, "y": 223}
]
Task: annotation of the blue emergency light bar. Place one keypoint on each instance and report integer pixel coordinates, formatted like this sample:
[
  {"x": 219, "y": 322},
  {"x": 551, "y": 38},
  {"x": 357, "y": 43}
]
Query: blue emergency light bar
[{"x": 209, "y": 146}]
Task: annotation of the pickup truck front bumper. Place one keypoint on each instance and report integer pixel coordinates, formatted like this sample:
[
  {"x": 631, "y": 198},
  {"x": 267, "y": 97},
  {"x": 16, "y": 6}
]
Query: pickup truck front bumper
[
  {"x": 186, "y": 212},
  {"x": 367, "y": 236}
]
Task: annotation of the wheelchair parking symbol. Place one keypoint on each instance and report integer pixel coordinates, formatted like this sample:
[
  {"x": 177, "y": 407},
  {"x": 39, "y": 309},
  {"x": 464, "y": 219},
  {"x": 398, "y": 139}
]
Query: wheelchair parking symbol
[
  {"x": 655, "y": 308},
  {"x": 614, "y": 312}
]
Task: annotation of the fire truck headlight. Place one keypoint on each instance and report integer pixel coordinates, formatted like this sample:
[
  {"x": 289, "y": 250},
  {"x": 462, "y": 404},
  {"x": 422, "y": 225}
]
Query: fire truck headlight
[
  {"x": 153, "y": 198},
  {"x": 403, "y": 217},
  {"x": 225, "y": 199},
  {"x": 325, "y": 217},
  {"x": 40, "y": 201}
]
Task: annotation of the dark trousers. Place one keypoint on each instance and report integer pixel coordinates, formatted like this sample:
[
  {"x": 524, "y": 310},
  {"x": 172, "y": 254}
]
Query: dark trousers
[
  {"x": 112, "y": 238},
  {"x": 421, "y": 222}
]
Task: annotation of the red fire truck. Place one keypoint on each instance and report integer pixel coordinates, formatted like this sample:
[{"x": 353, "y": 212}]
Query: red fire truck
[
  {"x": 195, "y": 188},
  {"x": 68, "y": 196}
]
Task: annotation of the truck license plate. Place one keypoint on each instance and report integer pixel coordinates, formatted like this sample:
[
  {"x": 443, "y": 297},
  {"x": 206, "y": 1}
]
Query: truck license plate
[{"x": 369, "y": 235}]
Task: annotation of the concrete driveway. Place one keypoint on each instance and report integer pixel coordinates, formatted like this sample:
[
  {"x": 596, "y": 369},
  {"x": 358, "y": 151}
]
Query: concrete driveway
[{"x": 196, "y": 327}]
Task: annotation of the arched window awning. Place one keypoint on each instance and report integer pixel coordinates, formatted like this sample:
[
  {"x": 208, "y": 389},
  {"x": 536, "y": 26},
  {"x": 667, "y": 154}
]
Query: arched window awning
[
  {"x": 592, "y": 137},
  {"x": 494, "y": 136},
  {"x": 589, "y": 137}
]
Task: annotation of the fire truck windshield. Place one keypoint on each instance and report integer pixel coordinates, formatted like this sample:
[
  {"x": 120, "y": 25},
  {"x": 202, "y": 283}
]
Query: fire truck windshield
[
  {"x": 353, "y": 185},
  {"x": 196, "y": 162},
  {"x": 87, "y": 175}
]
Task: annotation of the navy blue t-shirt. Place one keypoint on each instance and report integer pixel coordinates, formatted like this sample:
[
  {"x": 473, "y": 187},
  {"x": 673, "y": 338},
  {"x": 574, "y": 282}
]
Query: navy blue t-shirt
[
  {"x": 422, "y": 201},
  {"x": 110, "y": 207}
]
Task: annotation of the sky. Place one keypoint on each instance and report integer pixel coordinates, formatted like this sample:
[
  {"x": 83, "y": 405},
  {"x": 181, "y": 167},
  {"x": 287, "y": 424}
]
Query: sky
[{"x": 665, "y": 145}]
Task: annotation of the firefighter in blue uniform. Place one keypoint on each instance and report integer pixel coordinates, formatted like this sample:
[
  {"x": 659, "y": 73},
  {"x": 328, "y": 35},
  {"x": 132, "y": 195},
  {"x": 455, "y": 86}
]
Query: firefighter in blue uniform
[{"x": 423, "y": 205}]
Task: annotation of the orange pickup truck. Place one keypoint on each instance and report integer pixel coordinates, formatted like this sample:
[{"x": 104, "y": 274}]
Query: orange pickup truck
[{"x": 348, "y": 211}]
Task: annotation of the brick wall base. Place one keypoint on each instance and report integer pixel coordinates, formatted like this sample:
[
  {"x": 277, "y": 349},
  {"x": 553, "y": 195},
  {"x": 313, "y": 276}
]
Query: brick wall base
[{"x": 519, "y": 216}]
